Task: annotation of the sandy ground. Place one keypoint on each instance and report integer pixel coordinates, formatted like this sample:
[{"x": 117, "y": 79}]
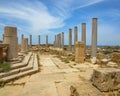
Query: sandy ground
[{"x": 54, "y": 79}]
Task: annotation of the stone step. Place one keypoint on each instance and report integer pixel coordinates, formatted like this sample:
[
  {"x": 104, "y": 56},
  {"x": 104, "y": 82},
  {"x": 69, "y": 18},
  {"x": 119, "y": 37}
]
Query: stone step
[
  {"x": 15, "y": 71},
  {"x": 23, "y": 63},
  {"x": 25, "y": 72}
]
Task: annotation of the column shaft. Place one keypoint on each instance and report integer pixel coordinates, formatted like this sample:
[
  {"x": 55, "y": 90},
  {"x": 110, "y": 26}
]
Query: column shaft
[{"x": 94, "y": 37}]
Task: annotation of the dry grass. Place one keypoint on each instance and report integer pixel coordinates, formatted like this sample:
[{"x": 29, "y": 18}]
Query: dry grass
[{"x": 116, "y": 58}]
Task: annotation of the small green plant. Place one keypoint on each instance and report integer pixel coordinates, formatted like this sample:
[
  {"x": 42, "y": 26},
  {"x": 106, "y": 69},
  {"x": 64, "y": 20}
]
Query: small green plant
[
  {"x": 5, "y": 66},
  {"x": 2, "y": 83}
]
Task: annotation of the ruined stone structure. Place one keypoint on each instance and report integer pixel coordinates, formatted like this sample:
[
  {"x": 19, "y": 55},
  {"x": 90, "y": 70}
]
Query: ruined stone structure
[
  {"x": 79, "y": 52},
  {"x": 62, "y": 40},
  {"x": 84, "y": 35},
  {"x": 70, "y": 39},
  {"x": 25, "y": 45},
  {"x": 10, "y": 37},
  {"x": 30, "y": 41},
  {"x": 46, "y": 41},
  {"x": 94, "y": 37}
]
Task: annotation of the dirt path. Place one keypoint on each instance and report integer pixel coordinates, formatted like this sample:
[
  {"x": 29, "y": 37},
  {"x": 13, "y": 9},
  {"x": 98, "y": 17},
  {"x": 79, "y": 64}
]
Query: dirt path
[{"x": 55, "y": 79}]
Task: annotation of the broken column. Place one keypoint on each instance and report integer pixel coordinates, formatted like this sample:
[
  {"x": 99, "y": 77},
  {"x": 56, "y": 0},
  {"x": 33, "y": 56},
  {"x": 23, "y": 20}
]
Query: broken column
[
  {"x": 62, "y": 40},
  {"x": 94, "y": 40},
  {"x": 10, "y": 37},
  {"x": 25, "y": 45},
  {"x": 46, "y": 41},
  {"x": 30, "y": 41},
  {"x": 38, "y": 40},
  {"x": 70, "y": 39},
  {"x": 84, "y": 35},
  {"x": 75, "y": 34},
  {"x": 79, "y": 52}
]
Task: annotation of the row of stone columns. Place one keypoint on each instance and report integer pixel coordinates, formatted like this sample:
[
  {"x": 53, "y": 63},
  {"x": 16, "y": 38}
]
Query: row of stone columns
[
  {"x": 59, "y": 40},
  {"x": 81, "y": 46}
]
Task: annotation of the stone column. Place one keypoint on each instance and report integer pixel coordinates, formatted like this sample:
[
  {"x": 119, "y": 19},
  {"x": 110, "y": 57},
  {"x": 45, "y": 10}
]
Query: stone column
[
  {"x": 94, "y": 37},
  {"x": 70, "y": 39},
  {"x": 22, "y": 36},
  {"x": 10, "y": 37},
  {"x": 59, "y": 40},
  {"x": 84, "y": 36},
  {"x": 55, "y": 41},
  {"x": 25, "y": 45},
  {"x": 75, "y": 34},
  {"x": 46, "y": 41},
  {"x": 38, "y": 41},
  {"x": 30, "y": 41},
  {"x": 62, "y": 40},
  {"x": 79, "y": 52}
]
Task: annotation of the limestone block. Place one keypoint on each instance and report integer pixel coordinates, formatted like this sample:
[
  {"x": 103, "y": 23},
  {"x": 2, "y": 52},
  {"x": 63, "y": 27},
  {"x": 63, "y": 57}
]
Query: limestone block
[
  {"x": 106, "y": 79},
  {"x": 112, "y": 64},
  {"x": 79, "y": 52}
]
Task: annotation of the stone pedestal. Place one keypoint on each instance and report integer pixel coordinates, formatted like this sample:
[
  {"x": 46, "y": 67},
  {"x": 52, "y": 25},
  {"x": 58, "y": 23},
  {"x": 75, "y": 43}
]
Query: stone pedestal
[
  {"x": 79, "y": 52},
  {"x": 25, "y": 45},
  {"x": 94, "y": 37},
  {"x": 70, "y": 39},
  {"x": 10, "y": 37}
]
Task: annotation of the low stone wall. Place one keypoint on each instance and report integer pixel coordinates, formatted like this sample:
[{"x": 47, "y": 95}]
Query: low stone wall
[{"x": 106, "y": 79}]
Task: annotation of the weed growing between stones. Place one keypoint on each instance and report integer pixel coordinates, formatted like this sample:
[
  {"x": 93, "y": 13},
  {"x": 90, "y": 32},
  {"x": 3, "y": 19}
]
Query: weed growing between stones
[{"x": 5, "y": 66}]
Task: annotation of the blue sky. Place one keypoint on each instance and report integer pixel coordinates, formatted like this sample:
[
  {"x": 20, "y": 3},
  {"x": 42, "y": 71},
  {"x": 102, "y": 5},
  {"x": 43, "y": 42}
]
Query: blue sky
[{"x": 50, "y": 17}]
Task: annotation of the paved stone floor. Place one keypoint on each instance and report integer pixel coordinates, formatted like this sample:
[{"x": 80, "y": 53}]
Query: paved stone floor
[{"x": 54, "y": 79}]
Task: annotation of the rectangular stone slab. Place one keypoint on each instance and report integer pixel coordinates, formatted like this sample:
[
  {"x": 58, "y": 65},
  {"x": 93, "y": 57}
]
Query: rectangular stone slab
[{"x": 106, "y": 79}]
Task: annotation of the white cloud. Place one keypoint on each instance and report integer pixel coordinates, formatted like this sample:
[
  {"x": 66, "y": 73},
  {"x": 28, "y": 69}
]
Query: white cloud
[{"x": 34, "y": 17}]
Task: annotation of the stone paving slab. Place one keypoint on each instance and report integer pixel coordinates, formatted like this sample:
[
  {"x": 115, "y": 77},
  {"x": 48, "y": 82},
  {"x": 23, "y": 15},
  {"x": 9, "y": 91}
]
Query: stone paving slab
[{"x": 39, "y": 89}]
